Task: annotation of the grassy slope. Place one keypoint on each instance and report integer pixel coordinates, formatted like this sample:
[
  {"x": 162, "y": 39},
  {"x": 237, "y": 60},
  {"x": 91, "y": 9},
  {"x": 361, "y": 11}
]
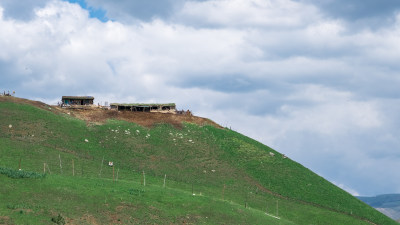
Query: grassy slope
[{"x": 224, "y": 169}]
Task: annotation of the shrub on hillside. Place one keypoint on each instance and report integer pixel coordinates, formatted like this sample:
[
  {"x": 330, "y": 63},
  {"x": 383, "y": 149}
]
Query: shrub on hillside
[
  {"x": 58, "y": 220},
  {"x": 20, "y": 173}
]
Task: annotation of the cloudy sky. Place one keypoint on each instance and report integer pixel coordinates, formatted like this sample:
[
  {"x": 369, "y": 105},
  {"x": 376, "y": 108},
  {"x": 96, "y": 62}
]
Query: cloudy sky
[{"x": 318, "y": 80}]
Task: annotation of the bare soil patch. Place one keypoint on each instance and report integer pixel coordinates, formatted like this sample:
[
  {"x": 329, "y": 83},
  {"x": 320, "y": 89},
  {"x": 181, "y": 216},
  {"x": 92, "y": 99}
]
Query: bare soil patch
[
  {"x": 146, "y": 119},
  {"x": 5, "y": 220}
]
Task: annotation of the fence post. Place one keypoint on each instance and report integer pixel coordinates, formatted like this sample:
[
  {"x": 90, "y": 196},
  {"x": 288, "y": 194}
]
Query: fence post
[
  {"x": 165, "y": 177},
  {"x": 277, "y": 208},
  {"x": 223, "y": 192},
  {"x": 48, "y": 168},
  {"x": 59, "y": 156},
  {"x": 101, "y": 166},
  {"x": 144, "y": 178}
]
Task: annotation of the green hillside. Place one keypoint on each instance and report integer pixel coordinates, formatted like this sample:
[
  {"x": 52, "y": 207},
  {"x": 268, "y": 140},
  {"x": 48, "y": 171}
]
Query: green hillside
[{"x": 211, "y": 175}]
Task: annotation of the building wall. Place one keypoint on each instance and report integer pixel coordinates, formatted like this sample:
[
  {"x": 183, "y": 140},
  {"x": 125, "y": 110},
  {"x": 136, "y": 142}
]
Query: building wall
[
  {"x": 137, "y": 108},
  {"x": 78, "y": 101}
]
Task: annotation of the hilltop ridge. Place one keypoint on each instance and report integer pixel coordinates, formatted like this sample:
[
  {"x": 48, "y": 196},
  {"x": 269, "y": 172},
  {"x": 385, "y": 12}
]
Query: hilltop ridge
[{"x": 97, "y": 115}]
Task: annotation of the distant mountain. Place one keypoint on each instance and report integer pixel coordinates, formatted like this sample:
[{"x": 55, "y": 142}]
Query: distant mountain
[{"x": 388, "y": 204}]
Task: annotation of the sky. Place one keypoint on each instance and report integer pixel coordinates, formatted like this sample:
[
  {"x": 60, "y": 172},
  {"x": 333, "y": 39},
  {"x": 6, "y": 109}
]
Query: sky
[{"x": 317, "y": 80}]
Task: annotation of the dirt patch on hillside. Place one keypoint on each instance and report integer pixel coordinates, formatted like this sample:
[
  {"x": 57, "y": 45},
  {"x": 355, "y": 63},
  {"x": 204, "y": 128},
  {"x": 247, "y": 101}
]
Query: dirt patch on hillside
[
  {"x": 5, "y": 220},
  {"x": 147, "y": 119},
  {"x": 95, "y": 115},
  {"x": 85, "y": 219}
]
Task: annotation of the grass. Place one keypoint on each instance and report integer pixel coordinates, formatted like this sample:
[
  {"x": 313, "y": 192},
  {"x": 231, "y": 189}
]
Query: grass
[
  {"x": 225, "y": 170},
  {"x": 108, "y": 202}
]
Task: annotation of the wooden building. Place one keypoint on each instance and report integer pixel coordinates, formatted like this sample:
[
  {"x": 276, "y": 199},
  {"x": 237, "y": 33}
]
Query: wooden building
[
  {"x": 77, "y": 100},
  {"x": 140, "y": 107}
]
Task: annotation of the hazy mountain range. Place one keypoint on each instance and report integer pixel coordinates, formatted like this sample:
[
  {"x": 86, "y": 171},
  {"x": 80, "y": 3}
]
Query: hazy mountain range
[{"x": 388, "y": 204}]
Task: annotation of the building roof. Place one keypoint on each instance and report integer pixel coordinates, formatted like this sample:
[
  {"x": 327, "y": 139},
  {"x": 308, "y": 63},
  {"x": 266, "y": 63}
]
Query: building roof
[
  {"x": 142, "y": 104},
  {"x": 78, "y": 97}
]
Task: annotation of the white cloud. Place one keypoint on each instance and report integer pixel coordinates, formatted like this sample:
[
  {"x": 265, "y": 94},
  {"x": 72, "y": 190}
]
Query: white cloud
[
  {"x": 334, "y": 111},
  {"x": 349, "y": 190},
  {"x": 279, "y": 71}
]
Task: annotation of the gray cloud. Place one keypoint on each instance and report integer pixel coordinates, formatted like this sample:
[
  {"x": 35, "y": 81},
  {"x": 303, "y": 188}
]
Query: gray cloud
[
  {"x": 8, "y": 78},
  {"x": 360, "y": 13},
  {"x": 358, "y": 9},
  {"x": 22, "y": 9},
  {"x": 353, "y": 167},
  {"x": 227, "y": 83},
  {"x": 126, "y": 10}
]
